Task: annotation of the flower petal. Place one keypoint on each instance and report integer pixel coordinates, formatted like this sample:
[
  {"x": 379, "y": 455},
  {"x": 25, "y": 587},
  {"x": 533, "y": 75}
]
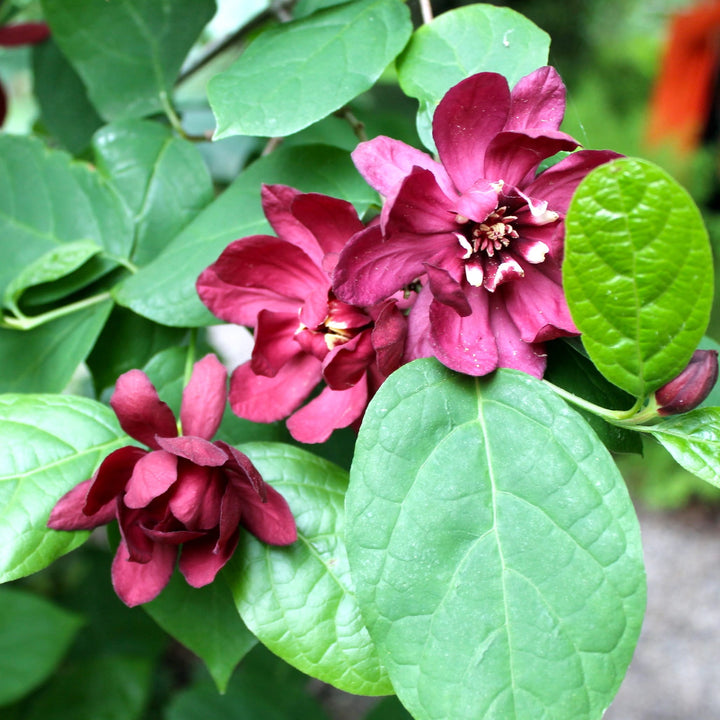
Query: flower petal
[
  {"x": 111, "y": 478},
  {"x": 204, "y": 398},
  {"x": 466, "y": 120},
  {"x": 138, "y": 583},
  {"x": 200, "y": 562},
  {"x": 190, "y": 489},
  {"x": 346, "y": 364},
  {"x": 388, "y": 337},
  {"x": 195, "y": 449},
  {"x": 419, "y": 343},
  {"x": 330, "y": 410},
  {"x": 153, "y": 475},
  {"x": 141, "y": 413},
  {"x": 447, "y": 290},
  {"x": 537, "y": 101},
  {"x": 68, "y": 511},
  {"x": 29, "y": 33},
  {"x": 270, "y": 521},
  {"x": 275, "y": 342}
]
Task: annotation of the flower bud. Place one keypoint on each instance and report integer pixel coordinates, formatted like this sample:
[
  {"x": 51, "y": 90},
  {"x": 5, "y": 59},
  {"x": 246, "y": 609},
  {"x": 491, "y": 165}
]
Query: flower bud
[{"x": 691, "y": 386}]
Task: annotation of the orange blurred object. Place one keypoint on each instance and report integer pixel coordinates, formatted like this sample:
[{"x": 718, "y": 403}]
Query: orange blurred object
[{"x": 683, "y": 95}]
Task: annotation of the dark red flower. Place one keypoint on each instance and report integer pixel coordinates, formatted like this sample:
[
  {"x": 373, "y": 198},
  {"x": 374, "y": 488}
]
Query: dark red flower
[
  {"x": 482, "y": 230},
  {"x": 184, "y": 491},
  {"x": 281, "y": 287},
  {"x": 691, "y": 386}
]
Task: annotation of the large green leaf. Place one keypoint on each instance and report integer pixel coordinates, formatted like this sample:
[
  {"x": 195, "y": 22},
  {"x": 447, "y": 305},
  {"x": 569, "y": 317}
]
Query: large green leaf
[
  {"x": 464, "y": 41},
  {"x": 164, "y": 290},
  {"x": 637, "y": 273},
  {"x": 205, "y": 621},
  {"x": 48, "y": 444},
  {"x": 128, "y": 53},
  {"x": 299, "y": 72},
  {"x": 48, "y": 202},
  {"x": 162, "y": 179},
  {"x": 494, "y": 549},
  {"x": 34, "y": 636},
  {"x": 299, "y": 600}
]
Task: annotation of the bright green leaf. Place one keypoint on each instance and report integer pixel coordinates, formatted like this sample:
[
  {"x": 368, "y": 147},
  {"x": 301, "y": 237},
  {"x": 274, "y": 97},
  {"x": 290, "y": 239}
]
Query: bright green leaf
[
  {"x": 34, "y": 636},
  {"x": 205, "y": 621},
  {"x": 637, "y": 273},
  {"x": 162, "y": 179},
  {"x": 299, "y": 600},
  {"x": 48, "y": 444},
  {"x": 462, "y": 42},
  {"x": 164, "y": 290},
  {"x": 693, "y": 439},
  {"x": 127, "y": 53},
  {"x": 494, "y": 549},
  {"x": 301, "y": 71}
]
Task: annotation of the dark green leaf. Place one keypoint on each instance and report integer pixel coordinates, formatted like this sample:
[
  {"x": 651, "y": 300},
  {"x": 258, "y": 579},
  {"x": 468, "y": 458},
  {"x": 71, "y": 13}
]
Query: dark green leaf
[
  {"x": 34, "y": 636},
  {"x": 164, "y": 290},
  {"x": 205, "y": 621},
  {"x": 127, "y": 53},
  {"x": 48, "y": 444},
  {"x": 494, "y": 548},
  {"x": 389, "y": 709},
  {"x": 162, "y": 179},
  {"x": 299, "y": 600},
  {"x": 301, "y": 71},
  {"x": 637, "y": 273}
]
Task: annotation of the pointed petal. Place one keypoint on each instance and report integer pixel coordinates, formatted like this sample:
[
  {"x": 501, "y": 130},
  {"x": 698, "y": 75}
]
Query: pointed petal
[
  {"x": 275, "y": 342},
  {"x": 153, "y": 475},
  {"x": 138, "y": 583},
  {"x": 330, "y": 410},
  {"x": 419, "y": 344},
  {"x": 262, "y": 399},
  {"x": 199, "y": 561},
  {"x": 331, "y": 221},
  {"x": 388, "y": 337},
  {"x": 466, "y": 120},
  {"x": 203, "y": 400},
  {"x": 111, "y": 478},
  {"x": 346, "y": 364},
  {"x": 191, "y": 487},
  {"x": 68, "y": 511},
  {"x": 500, "y": 269},
  {"x": 195, "y": 449},
  {"x": 478, "y": 201},
  {"x": 537, "y": 101},
  {"x": 447, "y": 290},
  {"x": 141, "y": 413},
  {"x": 270, "y": 521},
  {"x": 29, "y": 33}
]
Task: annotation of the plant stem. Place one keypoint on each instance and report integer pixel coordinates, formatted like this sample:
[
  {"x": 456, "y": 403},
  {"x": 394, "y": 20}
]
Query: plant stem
[
  {"x": 358, "y": 127},
  {"x": 23, "y": 322},
  {"x": 623, "y": 418},
  {"x": 426, "y": 11}
]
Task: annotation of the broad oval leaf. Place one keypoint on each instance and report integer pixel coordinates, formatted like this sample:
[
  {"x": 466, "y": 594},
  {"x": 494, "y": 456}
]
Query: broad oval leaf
[
  {"x": 317, "y": 65},
  {"x": 299, "y": 600},
  {"x": 127, "y": 53},
  {"x": 462, "y": 42},
  {"x": 637, "y": 273},
  {"x": 494, "y": 549},
  {"x": 164, "y": 290},
  {"x": 48, "y": 444}
]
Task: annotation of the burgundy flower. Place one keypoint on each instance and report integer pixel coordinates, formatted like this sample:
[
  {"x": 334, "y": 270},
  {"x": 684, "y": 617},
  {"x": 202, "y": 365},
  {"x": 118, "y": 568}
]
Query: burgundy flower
[
  {"x": 185, "y": 491},
  {"x": 20, "y": 34},
  {"x": 281, "y": 287},
  {"x": 691, "y": 386},
  {"x": 481, "y": 229}
]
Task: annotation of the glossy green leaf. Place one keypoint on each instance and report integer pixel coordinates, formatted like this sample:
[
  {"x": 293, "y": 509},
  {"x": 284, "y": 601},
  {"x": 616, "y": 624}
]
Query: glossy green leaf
[
  {"x": 46, "y": 201},
  {"x": 494, "y": 549},
  {"x": 299, "y": 600},
  {"x": 637, "y": 273},
  {"x": 464, "y": 41},
  {"x": 127, "y": 53},
  {"x": 48, "y": 444},
  {"x": 44, "y": 359},
  {"x": 298, "y": 72},
  {"x": 164, "y": 290},
  {"x": 693, "y": 439},
  {"x": 162, "y": 179},
  {"x": 205, "y": 621},
  {"x": 34, "y": 636}
]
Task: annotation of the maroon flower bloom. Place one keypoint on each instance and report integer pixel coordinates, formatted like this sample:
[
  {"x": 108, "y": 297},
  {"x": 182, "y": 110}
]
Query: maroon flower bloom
[
  {"x": 481, "y": 229},
  {"x": 184, "y": 491},
  {"x": 281, "y": 287},
  {"x": 691, "y": 386}
]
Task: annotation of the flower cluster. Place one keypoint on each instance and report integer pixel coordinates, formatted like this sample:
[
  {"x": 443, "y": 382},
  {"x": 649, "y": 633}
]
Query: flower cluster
[
  {"x": 464, "y": 262},
  {"x": 182, "y": 491}
]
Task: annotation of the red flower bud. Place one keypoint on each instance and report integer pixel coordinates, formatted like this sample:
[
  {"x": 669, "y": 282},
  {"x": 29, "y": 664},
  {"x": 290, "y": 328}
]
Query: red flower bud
[{"x": 691, "y": 386}]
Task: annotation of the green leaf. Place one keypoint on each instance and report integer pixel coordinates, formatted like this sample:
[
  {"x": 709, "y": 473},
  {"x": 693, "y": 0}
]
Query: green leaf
[
  {"x": 47, "y": 201},
  {"x": 48, "y": 444},
  {"x": 389, "y": 709},
  {"x": 162, "y": 179},
  {"x": 164, "y": 290},
  {"x": 205, "y": 621},
  {"x": 462, "y": 42},
  {"x": 494, "y": 548},
  {"x": 34, "y": 636},
  {"x": 44, "y": 359},
  {"x": 299, "y": 600},
  {"x": 307, "y": 7},
  {"x": 637, "y": 273},
  {"x": 127, "y": 53},
  {"x": 693, "y": 439},
  {"x": 64, "y": 106},
  {"x": 713, "y": 399},
  {"x": 299, "y": 72}
]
